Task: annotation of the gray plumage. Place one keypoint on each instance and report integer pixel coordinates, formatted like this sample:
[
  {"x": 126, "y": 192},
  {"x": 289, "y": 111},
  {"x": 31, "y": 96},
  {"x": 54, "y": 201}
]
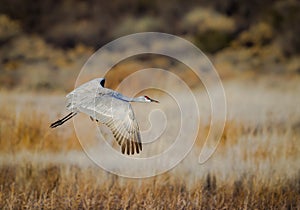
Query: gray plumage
[{"x": 110, "y": 108}]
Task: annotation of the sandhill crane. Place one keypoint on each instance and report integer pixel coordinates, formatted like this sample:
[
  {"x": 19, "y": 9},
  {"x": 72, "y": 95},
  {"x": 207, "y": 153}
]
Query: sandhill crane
[{"x": 110, "y": 108}]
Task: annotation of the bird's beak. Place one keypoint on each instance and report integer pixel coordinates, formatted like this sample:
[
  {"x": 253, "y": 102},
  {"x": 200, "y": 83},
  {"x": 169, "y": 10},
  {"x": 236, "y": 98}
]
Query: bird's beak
[{"x": 152, "y": 100}]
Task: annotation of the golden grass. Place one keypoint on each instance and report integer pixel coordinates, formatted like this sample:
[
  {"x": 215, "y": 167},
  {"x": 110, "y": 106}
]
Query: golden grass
[
  {"x": 71, "y": 187},
  {"x": 27, "y": 129},
  {"x": 53, "y": 188},
  {"x": 256, "y": 165}
]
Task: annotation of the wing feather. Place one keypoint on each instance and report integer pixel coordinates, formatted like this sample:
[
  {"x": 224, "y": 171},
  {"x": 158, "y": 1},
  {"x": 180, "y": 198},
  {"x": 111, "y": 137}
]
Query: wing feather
[
  {"x": 118, "y": 115},
  {"x": 84, "y": 93}
]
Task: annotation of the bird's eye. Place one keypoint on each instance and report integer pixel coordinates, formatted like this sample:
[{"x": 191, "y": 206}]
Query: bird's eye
[{"x": 147, "y": 97}]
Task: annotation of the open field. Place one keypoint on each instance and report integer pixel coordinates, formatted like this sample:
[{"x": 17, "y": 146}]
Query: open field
[
  {"x": 255, "y": 48},
  {"x": 256, "y": 166}
]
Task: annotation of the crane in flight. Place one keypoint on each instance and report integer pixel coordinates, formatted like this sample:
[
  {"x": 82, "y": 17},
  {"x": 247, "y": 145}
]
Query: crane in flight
[{"x": 110, "y": 108}]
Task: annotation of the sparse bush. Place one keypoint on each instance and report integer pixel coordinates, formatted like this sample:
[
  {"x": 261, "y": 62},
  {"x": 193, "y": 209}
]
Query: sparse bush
[
  {"x": 285, "y": 18},
  {"x": 258, "y": 35},
  {"x": 253, "y": 49},
  {"x": 212, "y": 30},
  {"x": 131, "y": 25},
  {"x": 28, "y": 62},
  {"x": 8, "y": 28}
]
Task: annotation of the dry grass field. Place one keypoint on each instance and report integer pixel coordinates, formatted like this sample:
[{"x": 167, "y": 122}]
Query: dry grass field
[
  {"x": 256, "y": 166},
  {"x": 255, "y": 47}
]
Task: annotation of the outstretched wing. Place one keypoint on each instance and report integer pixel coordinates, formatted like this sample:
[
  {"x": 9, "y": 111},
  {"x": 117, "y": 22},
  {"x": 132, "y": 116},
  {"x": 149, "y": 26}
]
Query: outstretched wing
[
  {"x": 119, "y": 117},
  {"x": 84, "y": 93}
]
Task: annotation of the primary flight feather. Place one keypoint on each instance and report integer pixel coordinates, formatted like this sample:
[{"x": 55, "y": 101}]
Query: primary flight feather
[{"x": 110, "y": 108}]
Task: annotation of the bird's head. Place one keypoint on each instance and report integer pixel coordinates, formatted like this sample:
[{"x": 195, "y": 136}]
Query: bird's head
[{"x": 148, "y": 99}]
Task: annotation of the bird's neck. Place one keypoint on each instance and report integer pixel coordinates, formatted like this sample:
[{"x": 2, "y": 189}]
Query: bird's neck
[
  {"x": 138, "y": 99},
  {"x": 123, "y": 98},
  {"x": 129, "y": 99}
]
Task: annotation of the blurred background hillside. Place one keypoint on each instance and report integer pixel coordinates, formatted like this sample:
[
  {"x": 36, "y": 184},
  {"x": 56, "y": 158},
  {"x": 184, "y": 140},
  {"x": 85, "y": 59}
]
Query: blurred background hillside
[{"x": 43, "y": 44}]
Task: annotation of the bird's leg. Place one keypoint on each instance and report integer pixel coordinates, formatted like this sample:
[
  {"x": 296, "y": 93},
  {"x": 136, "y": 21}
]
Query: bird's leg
[
  {"x": 93, "y": 119},
  {"x": 63, "y": 120}
]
